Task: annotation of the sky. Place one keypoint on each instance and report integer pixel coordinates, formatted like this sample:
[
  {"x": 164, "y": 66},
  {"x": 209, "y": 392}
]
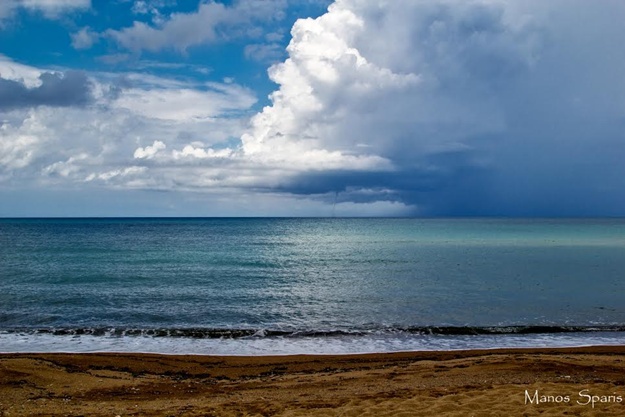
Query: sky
[{"x": 312, "y": 108}]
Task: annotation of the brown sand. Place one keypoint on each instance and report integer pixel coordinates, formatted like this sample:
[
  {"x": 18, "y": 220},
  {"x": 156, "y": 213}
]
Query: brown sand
[{"x": 466, "y": 383}]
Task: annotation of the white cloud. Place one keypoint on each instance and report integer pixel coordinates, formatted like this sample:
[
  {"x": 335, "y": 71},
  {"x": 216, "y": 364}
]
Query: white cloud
[
  {"x": 183, "y": 104},
  {"x": 111, "y": 142},
  {"x": 140, "y": 7},
  {"x": 56, "y": 4},
  {"x": 202, "y": 153},
  {"x": 149, "y": 151},
  {"x": 116, "y": 174},
  {"x": 346, "y": 82},
  {"x": 55, "y": 8},
  {"x": 51, "y": 9},
  {"x": 16, "y": 152},
  {"x": 84, "y": 38},
  {"x": 212, "y": 22},
  {"x": 11, "y": 70}
]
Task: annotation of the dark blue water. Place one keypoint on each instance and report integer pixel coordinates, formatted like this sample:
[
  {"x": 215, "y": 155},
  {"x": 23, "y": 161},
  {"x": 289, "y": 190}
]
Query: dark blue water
[{"x": 314, "y": 278}]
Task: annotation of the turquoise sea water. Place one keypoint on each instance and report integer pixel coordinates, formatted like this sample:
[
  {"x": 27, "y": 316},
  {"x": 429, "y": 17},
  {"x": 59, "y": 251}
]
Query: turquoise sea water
[{"x": 262, "y": 286}]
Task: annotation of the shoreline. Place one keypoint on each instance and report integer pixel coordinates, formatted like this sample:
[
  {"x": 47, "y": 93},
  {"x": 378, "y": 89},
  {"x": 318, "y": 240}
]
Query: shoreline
[
  {"x": 435, "y": 352},
  {"x": 420, "y": 383},
  {"x": 278, "y": 345}
]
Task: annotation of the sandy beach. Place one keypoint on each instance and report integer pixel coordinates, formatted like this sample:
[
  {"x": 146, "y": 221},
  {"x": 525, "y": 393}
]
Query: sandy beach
[{"x": 587, "y": 381}]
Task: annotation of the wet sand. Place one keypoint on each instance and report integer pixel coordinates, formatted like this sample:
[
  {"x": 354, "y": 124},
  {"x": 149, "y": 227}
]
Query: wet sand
[{"x": 508, "y": 382}]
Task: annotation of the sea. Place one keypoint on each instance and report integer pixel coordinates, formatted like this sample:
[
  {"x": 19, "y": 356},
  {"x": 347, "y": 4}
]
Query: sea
[{"x": 261, "y": 286}]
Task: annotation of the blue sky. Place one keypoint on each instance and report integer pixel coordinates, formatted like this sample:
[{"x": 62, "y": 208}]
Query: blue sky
[{"x": 312, "y": 108}]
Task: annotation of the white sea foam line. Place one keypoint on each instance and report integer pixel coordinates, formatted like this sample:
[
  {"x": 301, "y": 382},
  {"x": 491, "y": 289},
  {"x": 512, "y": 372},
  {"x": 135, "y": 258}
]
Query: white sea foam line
[{"x": 282, "y": 346}]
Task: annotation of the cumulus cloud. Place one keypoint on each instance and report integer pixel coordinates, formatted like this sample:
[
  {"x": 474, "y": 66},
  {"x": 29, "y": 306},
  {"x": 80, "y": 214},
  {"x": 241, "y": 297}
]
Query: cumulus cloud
[
  {"x": 130, "y": 136},
  {"x": 149, "y": 151},
  {"x": 22, "y": 140},
  {"x": 211, "y": 23},
  {"x": 17, "y": 152},
  {"x": 84, "y": 38},
  {"x": 476, "y": 106},
  {"x": 202, "y": 153},
  {"x": 354, "y": 85}
]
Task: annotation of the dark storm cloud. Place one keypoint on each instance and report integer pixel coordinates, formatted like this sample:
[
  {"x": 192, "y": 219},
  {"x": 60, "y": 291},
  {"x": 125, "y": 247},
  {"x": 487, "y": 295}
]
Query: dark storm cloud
[
  {"x": 449, "y": 183},
  {"x": 71, "y": 88}
]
